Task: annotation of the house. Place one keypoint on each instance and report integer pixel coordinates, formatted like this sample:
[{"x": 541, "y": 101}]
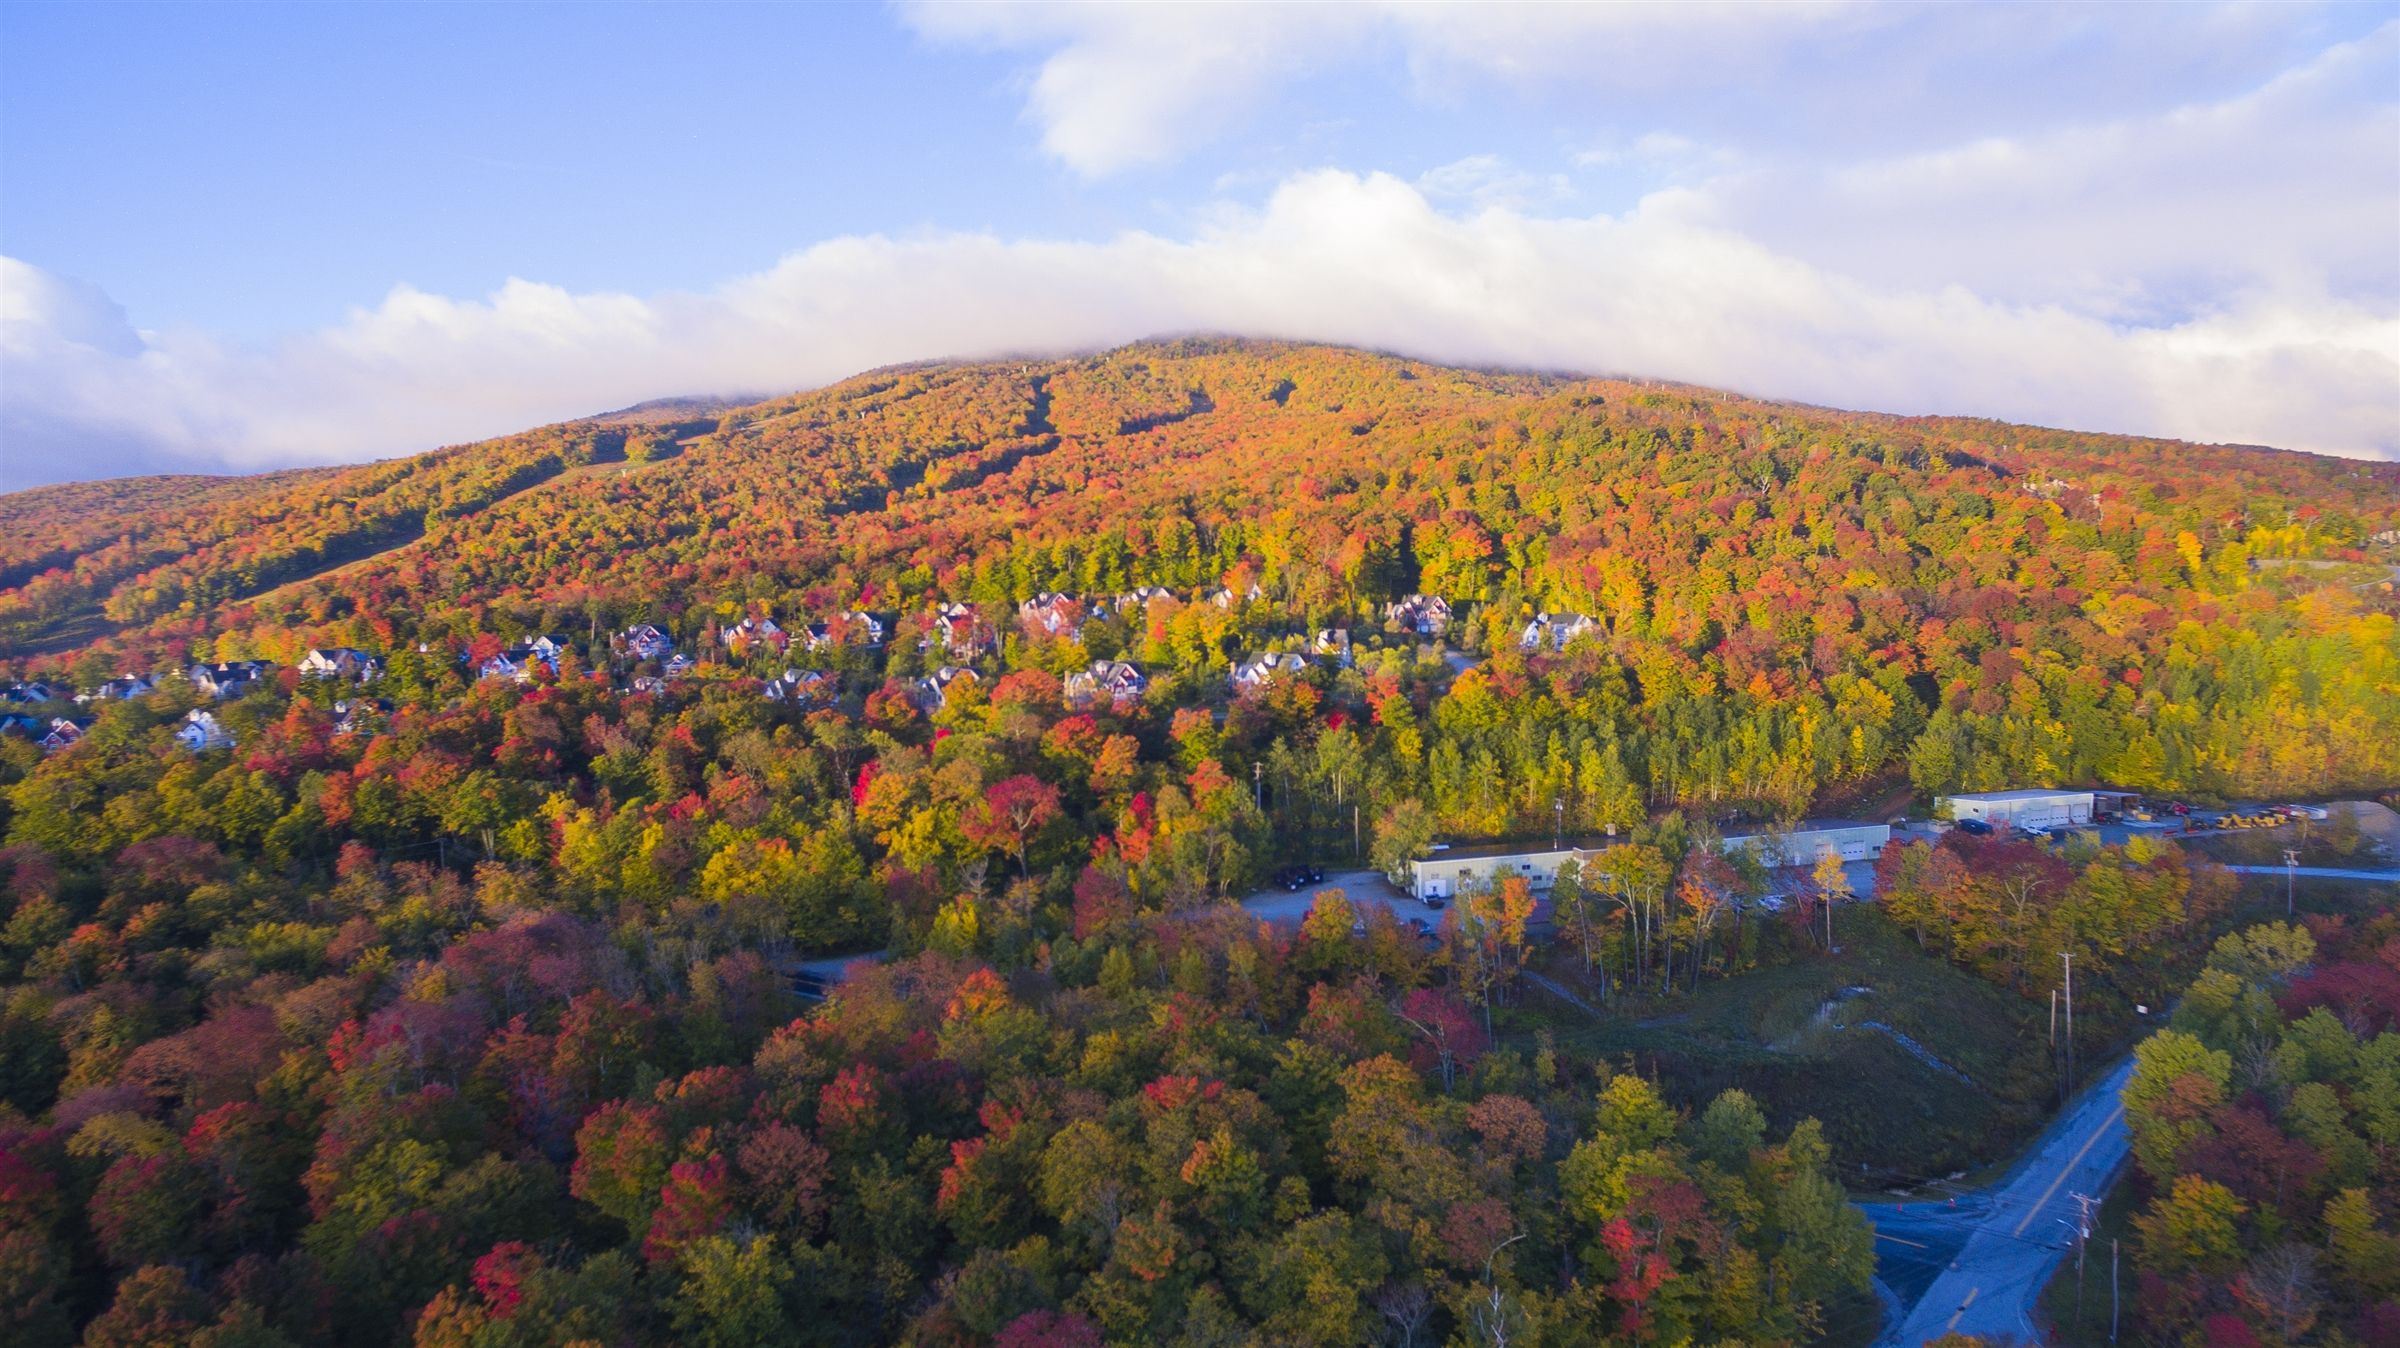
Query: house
[
  {"x": 741, "y": 635},
  {"x": 961, "y": 633},
  {"x": 63, "y": 734},
  {"x": 1803, "y": 843},
  {"x": 644, "y": 641},
  {"x": 1052, "y": 614},
  {"x": 844, "y": 629},
  {"x": 933, "y": 691},
  {"x": 1112, "y": 681},
  {"x": 1553, "y": 631},
  {"x": 1260, "y": 670},
  {"x": 797, "y": 686},
  {"x": 548, "y": 647},
  {"x": 352, "y": 715},
  {"x": 516, "y": 665},
  {"x": 1333, "y": 642},
  {"x": 22, "y": 726},
  {"x": 1226, "y": 598},
  {"x": 1427, "y": 615},
  {"x": 678, "y": 665},
  {"x": 31, "y": 692},
  {"x": 339, "y": 662},
  {"x": 230, "y": 679},
  {"x": 1142, "y": 596},
  {"x": 200, "y": 732},
  {"x": 119, "y": 689}
]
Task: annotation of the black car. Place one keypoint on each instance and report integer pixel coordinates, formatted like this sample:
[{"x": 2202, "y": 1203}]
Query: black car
[
  {"x": 1316, "y": 875},
  {"x": 1292, "y": 878},
  {"x": 1975, "y": 826}
]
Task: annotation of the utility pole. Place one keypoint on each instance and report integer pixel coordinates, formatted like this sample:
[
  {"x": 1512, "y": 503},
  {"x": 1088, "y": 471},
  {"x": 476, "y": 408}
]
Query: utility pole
[
  {"x": 2083, "y": 1234},
  {"x": 2291, "y": 870},
  {"x": 2069, "y": 957},
  {"x": 2112, "y": 1291},
  {"x": 1558, "y": 826},
  {"x": 1258, "y": 785}
]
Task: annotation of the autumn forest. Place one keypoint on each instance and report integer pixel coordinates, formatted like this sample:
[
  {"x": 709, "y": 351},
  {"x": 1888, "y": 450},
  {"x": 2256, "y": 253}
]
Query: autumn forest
[{"x": 427, "y": 926}]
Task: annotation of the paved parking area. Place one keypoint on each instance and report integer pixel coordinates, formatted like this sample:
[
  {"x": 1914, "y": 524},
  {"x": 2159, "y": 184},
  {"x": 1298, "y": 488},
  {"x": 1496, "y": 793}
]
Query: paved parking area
[{"x": 1363, "y": 888}]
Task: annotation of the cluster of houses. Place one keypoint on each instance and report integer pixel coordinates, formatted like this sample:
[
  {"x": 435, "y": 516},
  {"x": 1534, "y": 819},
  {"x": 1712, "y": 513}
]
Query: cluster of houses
[
  {"x": 958, "y": 630},
  {"x": 222, "y": 681}
]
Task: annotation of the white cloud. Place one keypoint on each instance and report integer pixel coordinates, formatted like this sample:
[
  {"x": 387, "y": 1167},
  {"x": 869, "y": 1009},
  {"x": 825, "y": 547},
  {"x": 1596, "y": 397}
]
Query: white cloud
[
  {"x": 1330, "y": 255},
  {"x": 2147, "y": 218},
  {"x": 1116, "y": 86},
  {"x": 1487, "y": 180}
]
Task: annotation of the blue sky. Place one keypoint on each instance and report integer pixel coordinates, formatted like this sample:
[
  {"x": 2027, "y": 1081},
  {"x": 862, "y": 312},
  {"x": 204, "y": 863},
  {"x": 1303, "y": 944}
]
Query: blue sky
[{"x": 252, "y": 235}]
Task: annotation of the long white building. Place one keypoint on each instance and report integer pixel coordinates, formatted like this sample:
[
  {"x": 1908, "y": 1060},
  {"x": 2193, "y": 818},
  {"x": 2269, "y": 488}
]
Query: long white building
[{"x": 2036, "y": 808}]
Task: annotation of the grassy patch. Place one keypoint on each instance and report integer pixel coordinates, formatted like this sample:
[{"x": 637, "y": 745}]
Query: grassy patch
[{"x": 1798, "y": 1038}]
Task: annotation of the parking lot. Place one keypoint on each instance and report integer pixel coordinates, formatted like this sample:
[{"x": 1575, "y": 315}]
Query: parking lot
[{"x": 1364, "y": 888}]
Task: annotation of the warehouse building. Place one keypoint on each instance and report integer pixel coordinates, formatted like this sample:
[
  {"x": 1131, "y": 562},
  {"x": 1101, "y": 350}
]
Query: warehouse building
[
  {"x": 2040, "y": 808},
  {"x": 1453, "y": 870},
  {"x": 1804, "y": 842}
]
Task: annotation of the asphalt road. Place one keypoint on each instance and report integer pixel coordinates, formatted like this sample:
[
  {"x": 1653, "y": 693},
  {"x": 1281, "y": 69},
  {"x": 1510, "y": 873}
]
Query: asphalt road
[
  {"x": 1977, "y": 1264},
  {"x": 2323, "y": 872}
]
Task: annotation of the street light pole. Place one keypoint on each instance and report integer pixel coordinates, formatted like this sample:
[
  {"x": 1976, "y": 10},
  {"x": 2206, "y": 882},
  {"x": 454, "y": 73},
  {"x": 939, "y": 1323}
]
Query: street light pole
[
  {"x": 2291, "y": 870},
  {"x": 1558, "y": 826}
]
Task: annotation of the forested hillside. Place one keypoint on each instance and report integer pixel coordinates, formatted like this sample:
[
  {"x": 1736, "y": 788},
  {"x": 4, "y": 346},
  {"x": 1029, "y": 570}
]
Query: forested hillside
[{"x": 439, "y": 980}]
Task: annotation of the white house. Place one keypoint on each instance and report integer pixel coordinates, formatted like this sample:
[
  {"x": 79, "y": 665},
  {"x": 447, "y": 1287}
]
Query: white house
[
  {"x": 516, "y": 664},
  {"x": 229, "y": 679},
  {"x": 1553, "y": 631},
  {"x": 1052, "y": 614},
  {"x": 1106, "y": 681},
  {"x": 739, "y": 636},
  {"x": 339, "y": 662},
  {"x": 200, "y": 731},
  {"x": 1332, "y": 642},
  {"x": 1260, "y": 670},
  {"x": 119, "y": 689}
]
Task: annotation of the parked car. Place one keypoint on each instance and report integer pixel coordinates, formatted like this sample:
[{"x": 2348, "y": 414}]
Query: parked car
[
  {"x": 1976, "y": 827},
  {"x": 1436, "y": 902}
]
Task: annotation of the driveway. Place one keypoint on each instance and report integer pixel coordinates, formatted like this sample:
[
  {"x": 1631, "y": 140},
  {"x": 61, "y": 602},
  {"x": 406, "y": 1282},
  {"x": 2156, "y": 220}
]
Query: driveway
[{"x": 1977, "y": 1264}]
